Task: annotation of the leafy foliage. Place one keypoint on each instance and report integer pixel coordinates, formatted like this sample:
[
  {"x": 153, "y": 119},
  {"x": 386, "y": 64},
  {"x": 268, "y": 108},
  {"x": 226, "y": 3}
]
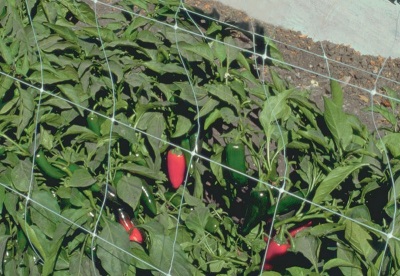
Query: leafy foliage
[{"x": 142, "y": 83}]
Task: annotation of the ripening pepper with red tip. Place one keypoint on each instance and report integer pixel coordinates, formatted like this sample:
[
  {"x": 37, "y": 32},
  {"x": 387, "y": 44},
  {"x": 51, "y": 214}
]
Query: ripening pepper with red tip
[{"x": 134, "y": 233}]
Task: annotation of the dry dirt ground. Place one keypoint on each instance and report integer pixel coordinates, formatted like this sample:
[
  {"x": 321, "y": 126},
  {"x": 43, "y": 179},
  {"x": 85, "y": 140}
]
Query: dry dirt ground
[{"x": 358, "y": 73}]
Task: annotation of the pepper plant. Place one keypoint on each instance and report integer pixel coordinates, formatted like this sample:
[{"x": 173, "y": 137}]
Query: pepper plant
[{"x": 92, "y": 129}]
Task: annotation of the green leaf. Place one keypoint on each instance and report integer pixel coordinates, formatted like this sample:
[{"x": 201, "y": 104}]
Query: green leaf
[
  {"x": 224, "y": 93},
  {"x": 27, "y": 107},
  {"x": 243, "y": 61},
  {"x": 72, "y": 94},
  {"x": 392, "y": 142},
  {"x": 61, "y": 231},
  {"x": 183, "y": 125},
  {"x": 337, "y": 93},
  {"x": 315, "y": 136},
  {"x": 211, "y": 118},
  {"x": 299, "y": 271},
  {"x": 210, "y": 106},
  {"x": 197, "y": 219},
  {"x": 358, "y": 238},
  {"x": 279, "y": 84},
  {"x": 82, "y": 11},
  {"x": 336, "y": 121},
  {"x": 3, "y": 248},
  {"x": 229, "y": 116},
  {"x": 275, "y": 108},
  {"x": 81, "y": 265},
  {"x": 149, "y": 37},
  {"x": 162, "y": 68},
  {"x": 339, "y": 263},
  {"x": 21, "y": 175},
  {"x": 161, "y": 254},
  {"x": 333, "y": 180},
  {"x": 309, "y": 247},
  {"x": 144, "y": 171},
  {"x": 129, "y": 190},
  {"x": 201, "y": 49},
  {"x": 80, "y": 178},
  {"x": 6, "y": 52},
  {"x": 33, "y": 237},
  {"x": 113, "y": 259},
  {"x": 63, "y": 32},
  {"x": 41, "y": 216},
  {"x": 219, "y": 51}
]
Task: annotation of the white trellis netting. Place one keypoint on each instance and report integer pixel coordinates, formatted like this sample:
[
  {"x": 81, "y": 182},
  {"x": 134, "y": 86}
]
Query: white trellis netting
[{"x": 130, "y": 67}]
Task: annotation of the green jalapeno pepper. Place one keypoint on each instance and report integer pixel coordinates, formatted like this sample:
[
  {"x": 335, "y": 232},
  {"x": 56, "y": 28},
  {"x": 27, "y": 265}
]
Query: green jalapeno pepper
[
  {"x": 191, "y": 143},
  {"x": 186, "y": 145},
  {"x": 257, "y": 207},
  {"x": 148, "y": 199},
  {"x": 93, "y": 123},
  {"x": 212, "y": 225},
  {"x": 235, "y": 159},
  {"x": 287, "y": 203},
  {"x": 45, "y": 166},
  {"x": 173, "y": 198}
]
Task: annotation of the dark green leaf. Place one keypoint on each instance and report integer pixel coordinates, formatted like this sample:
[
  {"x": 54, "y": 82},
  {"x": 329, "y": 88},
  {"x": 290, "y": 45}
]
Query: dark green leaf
[
  {"x": 80, "y": 178},
  {"x": 309, "y": 247},
  {"x": 41, "y": 216},
  {"x": 197, "y": 219},
  {"x": 21, "y": 175},
  {"x": 183, "y": 125},
  {"x": 359, "y": 238},
  {"x": 81, "y": 11},
  {"x": 337, "y": 93},
  {"x": 201, "y": 49},
  {"x": 129, "y": 190},
  {"x": 161, "y": 254},
  {"x": 113, "y": 259},
  {"x": 144, "y": 171},
  {"x": 27, "y": 107},
  {"x": 333, "y": 180},
  {"x": 81, "y": 265},
  {"x": 337, "y": 123},
  {"x": 339, "y": 263},
  {"x": 224, "y": 93}
]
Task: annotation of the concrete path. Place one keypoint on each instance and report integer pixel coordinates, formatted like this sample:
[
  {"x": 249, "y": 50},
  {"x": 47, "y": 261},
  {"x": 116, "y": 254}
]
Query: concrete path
[{"x": 371, "y": 27}]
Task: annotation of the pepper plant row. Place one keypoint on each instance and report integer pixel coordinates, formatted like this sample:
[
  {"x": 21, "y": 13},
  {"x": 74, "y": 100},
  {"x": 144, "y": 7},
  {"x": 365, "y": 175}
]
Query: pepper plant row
[{"x": 174, "y": 151}]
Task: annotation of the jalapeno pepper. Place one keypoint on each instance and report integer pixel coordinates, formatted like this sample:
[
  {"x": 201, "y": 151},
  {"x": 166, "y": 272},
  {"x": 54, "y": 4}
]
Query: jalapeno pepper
[
  {"x": 287, "y": 203},
  {"x": 279, "y": 245},
  {"x": 176, "y": 167},
  {"x": 148, "y": 199},
  {"x": 212, "y": 225},
  {"x": 186, "y": 145},
  {"x": 93, "y": 123},
  {"x": 111, "y": 195},
  {"x": 134, "y": 233},
  {"x": 173, "y": 198},
  {"x": 191, "y": 144},
  {"x": 235, "y": 159},
  {"x": 257, "y": 207},
  {"x": 46, "y": 167}
]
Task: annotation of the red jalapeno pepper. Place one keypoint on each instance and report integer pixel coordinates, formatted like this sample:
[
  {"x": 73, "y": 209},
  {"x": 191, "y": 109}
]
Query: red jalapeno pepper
[
  {"x": 134, "y": 233},
  {"x": 176, "y": 167},
  {"x": 279, "y": 246}
]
